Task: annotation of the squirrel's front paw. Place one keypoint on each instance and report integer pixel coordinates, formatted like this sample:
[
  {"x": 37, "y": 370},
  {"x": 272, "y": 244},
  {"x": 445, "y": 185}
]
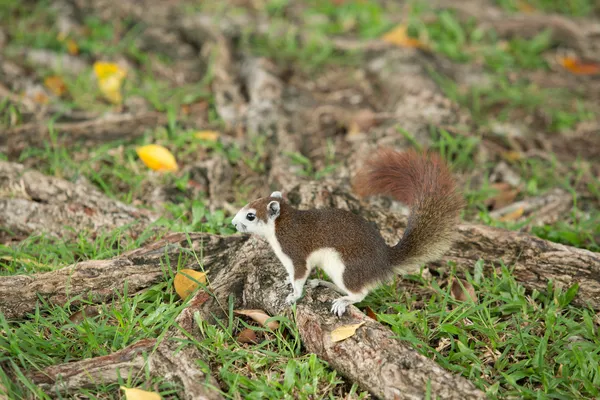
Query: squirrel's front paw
[
  {"x": 339, "y": 306},
  {"x": 291, "y": 298}
]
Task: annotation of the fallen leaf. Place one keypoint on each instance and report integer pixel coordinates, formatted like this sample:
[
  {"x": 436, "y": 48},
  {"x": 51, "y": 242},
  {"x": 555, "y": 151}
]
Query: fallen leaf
[
  {"x": 361, "y": 121},
  {"x": 157, "y": 157},
  {"x": 259, "y": 316},
  {"x": 90, "y": 311},
  {"x": 185, "y": 282},
  {"x": 40, "y": 98},
  {"x": 110, "y": 79},
  {"x": 247, "y": 336},
  {"x": 56, "y": 85},
  {"x": 139, "y": 394},
  {"x": 72, "y": 47},
  {"x": 577, "y": 67},
  {"x": 399, "y": 37},
  {"x": 23, "y": 260},
  {"x": 525, "y": 7},
  {"x": 370, "y": 313},
  {"x": 344, "y": 332},
  {"x": 513, "y": 215},
  {"x": 512, "y": 155},
  {"x": 211, "y": 136},
  {"x": 505, "y": 195},
  {"x": 461, "y": 294}
]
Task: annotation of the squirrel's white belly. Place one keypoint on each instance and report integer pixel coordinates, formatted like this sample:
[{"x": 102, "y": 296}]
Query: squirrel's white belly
[{"x": 330, "y": 261}]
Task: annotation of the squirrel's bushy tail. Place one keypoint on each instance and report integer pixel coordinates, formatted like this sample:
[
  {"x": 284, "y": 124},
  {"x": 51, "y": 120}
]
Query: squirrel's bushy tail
[{"x": 424, "y": 182}]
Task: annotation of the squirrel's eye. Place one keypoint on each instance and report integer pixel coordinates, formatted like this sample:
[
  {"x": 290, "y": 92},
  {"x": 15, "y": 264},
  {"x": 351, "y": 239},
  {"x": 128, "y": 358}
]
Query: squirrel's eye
[{"x": 250, "y": 217}]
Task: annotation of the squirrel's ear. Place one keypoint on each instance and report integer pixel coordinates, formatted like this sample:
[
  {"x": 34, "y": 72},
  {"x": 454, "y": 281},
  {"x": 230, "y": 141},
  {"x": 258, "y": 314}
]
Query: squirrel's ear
[
  {"x": 277, "y": 194},
  {"x": 273, "y": 209}
]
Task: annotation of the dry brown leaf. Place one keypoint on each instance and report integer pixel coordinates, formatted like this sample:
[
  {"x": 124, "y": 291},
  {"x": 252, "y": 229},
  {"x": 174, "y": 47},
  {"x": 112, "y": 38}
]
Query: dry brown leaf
[
  {"x": 399, "y": 37},
  {"x": 344, "y": 332},
  {"x": 56, "y": 85},
  {"x": 578, "y": 67},
  {"x": 505, "y": 195},
  {"x": 370, "y": 313},
  {"x": 461, "y": 294},
  {"x": 139, "y": 394},
  {"x": 185, "y": 284},
  {"x": 525, "y": 7},
  {"x": 513, "y": 215},
  {"x": 247, "y": 336},
  {"x": 79, "y": 316},
  {"x": 259, "y": 316}
]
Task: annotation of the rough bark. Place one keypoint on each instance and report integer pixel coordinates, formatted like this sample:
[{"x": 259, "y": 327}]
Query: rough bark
[
  {"x": 248, "y": 93},
  {"x": 534, "y": 260},
  {"x": 100, "y": 280},
  {"x": 31, "y": 202},
  {"x": 545, "y": 209},
  {"x": 109, "y": 127}
]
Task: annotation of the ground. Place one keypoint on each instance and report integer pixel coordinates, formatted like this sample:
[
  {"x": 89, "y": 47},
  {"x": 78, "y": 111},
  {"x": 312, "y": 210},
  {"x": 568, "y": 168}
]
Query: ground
[{"x": 256, "y": 96}]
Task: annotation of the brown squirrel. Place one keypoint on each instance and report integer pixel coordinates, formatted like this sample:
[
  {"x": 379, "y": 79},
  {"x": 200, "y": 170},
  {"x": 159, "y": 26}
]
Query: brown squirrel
[{"x": 347, "y": 247}]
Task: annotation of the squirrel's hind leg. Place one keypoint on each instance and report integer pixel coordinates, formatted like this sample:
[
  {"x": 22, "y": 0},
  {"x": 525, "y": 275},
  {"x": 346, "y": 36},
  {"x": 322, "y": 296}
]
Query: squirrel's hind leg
[{"x": 340, "y": 304}]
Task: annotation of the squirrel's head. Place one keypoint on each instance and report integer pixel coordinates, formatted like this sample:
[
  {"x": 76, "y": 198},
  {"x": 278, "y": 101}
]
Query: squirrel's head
[{"x": 258, "y": 217}]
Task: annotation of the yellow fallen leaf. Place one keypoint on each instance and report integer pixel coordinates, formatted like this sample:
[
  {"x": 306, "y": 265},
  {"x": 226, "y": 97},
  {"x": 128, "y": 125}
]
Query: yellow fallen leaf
[
  {"x": 185, "y": 282},
  {"x": 211, "y": 136},
  {"x": 259, "y": 316},
  {"x": 157, "y": 157},
  {"x": 577, "y": 67},
  {"x": 399, "y": 37},
  {"x": 512, "y": 155},
  {"x": 56, "y": 85},
  {"x": 513, "y": 215},
  {"x": 139, "y": 394},
  {"x": 72, "y": 47},
  {"x": 110, "y": 79},
  {"x": 344, "y": 332}
]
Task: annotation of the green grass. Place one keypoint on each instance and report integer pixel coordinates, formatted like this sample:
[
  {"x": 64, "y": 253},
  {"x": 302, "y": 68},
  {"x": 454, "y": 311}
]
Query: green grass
[
  {"x": 512, "y": 343},
  {"x": 276, "y": 367}
]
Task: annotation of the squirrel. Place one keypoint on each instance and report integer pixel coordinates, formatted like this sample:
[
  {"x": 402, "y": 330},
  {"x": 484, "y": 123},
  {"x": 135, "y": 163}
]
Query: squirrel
[{"x": 349, "y": 248}]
